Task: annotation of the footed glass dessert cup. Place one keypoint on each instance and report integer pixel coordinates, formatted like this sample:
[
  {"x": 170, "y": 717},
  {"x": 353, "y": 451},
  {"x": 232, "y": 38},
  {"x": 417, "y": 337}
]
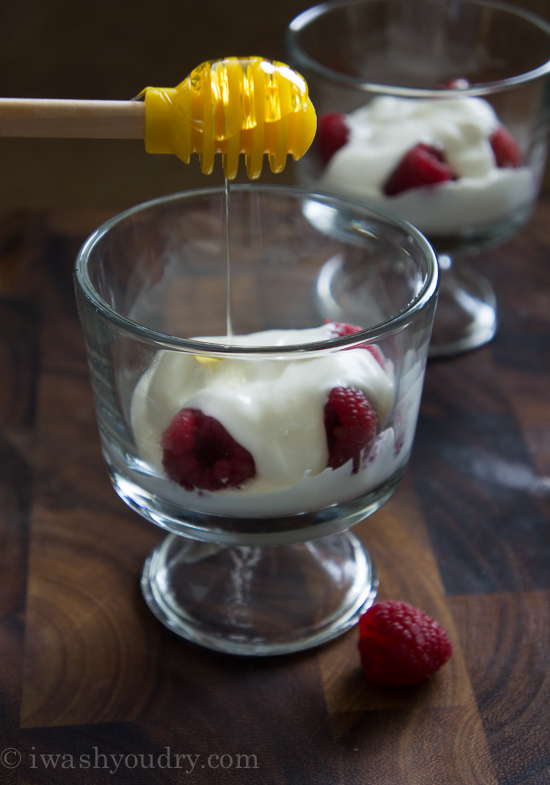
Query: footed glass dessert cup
[
  {"x": 256, "y": 434},
  {"x": 436, "y": 111}
]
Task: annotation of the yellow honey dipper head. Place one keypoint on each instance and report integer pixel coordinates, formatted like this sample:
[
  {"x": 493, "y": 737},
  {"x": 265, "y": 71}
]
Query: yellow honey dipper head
[{"x": 238, "y": 105}]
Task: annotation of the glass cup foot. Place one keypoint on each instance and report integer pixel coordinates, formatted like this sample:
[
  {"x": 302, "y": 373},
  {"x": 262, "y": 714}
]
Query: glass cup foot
[
  {"x": 466, "y": 315},
  {"x": 259, "y": 600}
]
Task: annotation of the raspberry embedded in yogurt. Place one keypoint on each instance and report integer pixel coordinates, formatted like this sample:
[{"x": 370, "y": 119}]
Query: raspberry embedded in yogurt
[
  {"x": 505, "y": 148},
  {"x": 198, "y": 452},
  {"x": 332, "y": 134},
  {"x": 423, "y": 165},
  {"x": 350, "y": 427}
]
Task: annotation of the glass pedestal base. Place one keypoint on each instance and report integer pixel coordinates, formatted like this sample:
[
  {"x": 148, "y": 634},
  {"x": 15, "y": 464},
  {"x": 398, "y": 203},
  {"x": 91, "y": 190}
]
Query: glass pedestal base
[
  {"x": 259, "y": 600},
  {"x": 466, "y": 315}
]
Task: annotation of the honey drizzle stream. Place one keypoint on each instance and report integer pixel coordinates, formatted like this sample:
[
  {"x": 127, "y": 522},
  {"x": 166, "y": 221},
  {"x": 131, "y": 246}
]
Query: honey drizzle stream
[{"x": 229, "y": 327}]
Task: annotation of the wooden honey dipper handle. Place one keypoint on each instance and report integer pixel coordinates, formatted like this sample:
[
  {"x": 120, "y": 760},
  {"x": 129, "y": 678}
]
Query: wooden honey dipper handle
[
  {"x": 64, "y": 118},
  {"x": 234, "y": 106}
]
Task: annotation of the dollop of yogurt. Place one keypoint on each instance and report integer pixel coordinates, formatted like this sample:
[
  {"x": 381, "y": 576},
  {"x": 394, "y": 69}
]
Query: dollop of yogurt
[
  {"x": 274, "y": 407},
  {"x": 388, "y": 127}
]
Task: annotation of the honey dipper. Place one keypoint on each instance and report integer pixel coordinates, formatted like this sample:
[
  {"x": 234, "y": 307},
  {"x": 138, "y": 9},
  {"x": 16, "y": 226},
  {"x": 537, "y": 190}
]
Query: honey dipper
[{"x": 231, "y": 106}]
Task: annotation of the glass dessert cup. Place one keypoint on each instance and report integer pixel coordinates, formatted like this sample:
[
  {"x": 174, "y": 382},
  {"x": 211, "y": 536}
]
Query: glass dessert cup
[
  {"x": 264, "y": 564},
  {"x": 449, "y": 75}
]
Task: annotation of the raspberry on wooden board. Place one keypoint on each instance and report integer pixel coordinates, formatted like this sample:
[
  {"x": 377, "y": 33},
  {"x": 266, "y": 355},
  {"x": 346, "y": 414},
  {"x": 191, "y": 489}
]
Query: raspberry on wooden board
[{"x": 400, "y": 645}]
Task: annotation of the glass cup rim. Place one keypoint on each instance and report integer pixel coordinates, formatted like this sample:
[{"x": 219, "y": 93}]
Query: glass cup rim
[
  {"x": 390, "y": 326},
  {"x": 300, "y": 22}
]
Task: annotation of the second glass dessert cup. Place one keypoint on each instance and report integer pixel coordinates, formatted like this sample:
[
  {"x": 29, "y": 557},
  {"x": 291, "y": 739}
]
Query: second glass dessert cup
[
  {"x": 455, "y": 91},
  {"x": 258, "y": 438}
]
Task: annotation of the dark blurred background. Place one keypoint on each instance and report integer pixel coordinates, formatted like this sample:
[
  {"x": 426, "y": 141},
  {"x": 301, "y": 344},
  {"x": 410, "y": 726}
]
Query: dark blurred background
[{"x": 112, "y": 49}]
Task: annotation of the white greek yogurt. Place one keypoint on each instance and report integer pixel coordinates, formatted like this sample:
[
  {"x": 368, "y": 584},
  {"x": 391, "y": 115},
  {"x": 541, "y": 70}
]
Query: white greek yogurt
[
  {"x": 388, "y": 127},
  {"x": 274, "y": 407}
]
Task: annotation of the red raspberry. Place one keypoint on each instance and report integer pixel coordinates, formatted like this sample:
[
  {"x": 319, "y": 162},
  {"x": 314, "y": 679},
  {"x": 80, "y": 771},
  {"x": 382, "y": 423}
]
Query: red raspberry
[
  {"x": 332, "y": 134},
  {"x": 199, "y": 453},
  {"x": 505, "y": 148},
  {"x": 457, "y": 84},
  {"x": 423, "y": 165},
  {"x": 342, "y": 328},
  {"x": 400, "y": 644},
  {"x": 350, "y": 425}
]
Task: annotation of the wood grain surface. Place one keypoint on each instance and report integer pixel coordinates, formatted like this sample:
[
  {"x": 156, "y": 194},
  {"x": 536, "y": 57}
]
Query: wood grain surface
[{"x": 94, "y": 690}]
